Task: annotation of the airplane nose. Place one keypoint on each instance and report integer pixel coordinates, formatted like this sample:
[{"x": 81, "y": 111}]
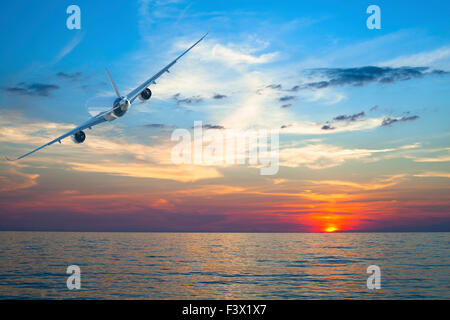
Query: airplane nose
[{"x": 124, "y": 104}]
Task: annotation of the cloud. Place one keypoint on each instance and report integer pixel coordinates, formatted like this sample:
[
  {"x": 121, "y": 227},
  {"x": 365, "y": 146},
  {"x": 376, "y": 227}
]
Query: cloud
[
  {"x": 431, "y": 174},
  {"x": 14, "y": 180},
  {"x": 316, "y": 128},
  {"x": 155, "y": 125},
  {"x": 344, "y": 118},
  {"x": 72, "y": 76},
  {"x": 212, "y": 126},
  {"x": 369, "y": 186},
  {"x": 219, "y": 96},
  {"x": 327, "y": 96},
  {"x": 34, "y": 89},
  {"x": 239, "y": 56},
  {"x": 70, "y": 46},
  {"x": 210, "y": 190},
  {"x": 286, "y": 98},
  {"x": 103, "y": 154},
  {"x": 434, "y": 57},
  {"x": 232, "y": 54},
  {"x": 159, "y": 126},
  {"x": 274, "y": 86},
  {"x": 245, "y": 82},
  {"x": 388, "y": 121},
  {"x": 179, "y": 100},
  {"x": 30, "y": 133},
  {"x": 285, "y": 106},
  {"x": 435, "y": 159},
  {"x": 322, "y": 156},
  {"x": 363, "y": 75},
  {"x": 352, "y": 117},
  {"x": 183, "y": 173},
  {"x": 327, "y": 127}
]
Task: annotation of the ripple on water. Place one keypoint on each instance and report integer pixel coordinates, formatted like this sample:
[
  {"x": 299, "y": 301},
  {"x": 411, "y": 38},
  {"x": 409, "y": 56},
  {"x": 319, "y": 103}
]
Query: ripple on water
[{"x": 231, "y": 266}]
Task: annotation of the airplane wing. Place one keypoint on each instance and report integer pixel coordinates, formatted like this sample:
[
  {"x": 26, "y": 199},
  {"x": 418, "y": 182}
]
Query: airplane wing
[
  {"x": 88, "y": 124},
  {"x": 135, "y": 93},
  {"x": 100, "y": 117}
]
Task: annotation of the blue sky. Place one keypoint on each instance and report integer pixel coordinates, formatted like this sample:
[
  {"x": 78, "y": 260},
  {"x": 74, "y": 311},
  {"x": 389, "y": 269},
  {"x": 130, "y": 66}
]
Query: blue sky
[
  {"x": 332, "y": 32},
  {"x": 358, "y": 110}
]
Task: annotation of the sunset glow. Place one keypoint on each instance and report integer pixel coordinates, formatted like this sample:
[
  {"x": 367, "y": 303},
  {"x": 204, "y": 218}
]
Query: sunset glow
[
  {"x": 362, "y": 121},
  {"x": 331, "y": 229}
]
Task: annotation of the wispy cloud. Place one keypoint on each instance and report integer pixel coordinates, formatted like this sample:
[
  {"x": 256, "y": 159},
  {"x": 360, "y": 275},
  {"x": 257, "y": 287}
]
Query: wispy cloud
[
  {"x": 14, "y": 180},
  {"x": 170, "y": 172},
  {"x": 322, "y": 156},
  {"x": 305, "y": 127},
  {"x": 70, "y": 46},
  {"x": 388, "y": 120},
  {"x": 71, "y": 76},
  {"x": 235, "y": 57},
  {"x": 191, "y": 100},
  {"x": 435, "y": 159},
  {"x": 159, "y": 126},
  {"x": 439, "y": 57},
  {"x": 363, "y": 75},
  {"x": 432, "y": 174},
  {"x": 212, "y": 126},
  {"x": 377, "y": 184},
  {"x": 328, "y": 127},
  {"x": 219, "y": 96},
  {"x": 32, "y": 89},
  {"x": 274, "y": 86},
  {"x": 149, "y": 161},
  {"x": 286, "y": 98},
  {"x": 343, "y": 118},
  {"x": 352, "y": 117}
]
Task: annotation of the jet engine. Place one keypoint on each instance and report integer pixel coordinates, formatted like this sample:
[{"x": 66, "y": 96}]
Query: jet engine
[
  {"x": 145, "y": 94},
  {"x": 121, "y": 106},
  {"x": 78, "y": 137}
]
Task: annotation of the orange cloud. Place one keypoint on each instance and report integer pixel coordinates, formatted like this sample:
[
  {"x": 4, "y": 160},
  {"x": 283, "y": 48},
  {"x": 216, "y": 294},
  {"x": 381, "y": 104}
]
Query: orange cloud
[
  {"x": 177, "y": 173},
  {"x": 14, "y": 180}
]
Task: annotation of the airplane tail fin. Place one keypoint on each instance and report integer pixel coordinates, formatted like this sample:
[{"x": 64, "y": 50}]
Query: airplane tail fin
[{"x": 113, "y": 84}]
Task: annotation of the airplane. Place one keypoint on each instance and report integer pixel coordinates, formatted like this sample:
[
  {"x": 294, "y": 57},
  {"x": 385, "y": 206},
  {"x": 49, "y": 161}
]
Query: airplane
[{"x": 119, "y": 107}]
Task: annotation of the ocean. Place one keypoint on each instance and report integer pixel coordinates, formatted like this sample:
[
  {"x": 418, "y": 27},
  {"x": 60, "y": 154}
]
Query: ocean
[{"x": 224, "y": 265}]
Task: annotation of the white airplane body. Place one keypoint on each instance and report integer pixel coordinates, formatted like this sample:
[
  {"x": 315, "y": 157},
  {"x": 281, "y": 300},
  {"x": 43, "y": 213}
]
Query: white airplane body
[{"x": 119, "y": 107}]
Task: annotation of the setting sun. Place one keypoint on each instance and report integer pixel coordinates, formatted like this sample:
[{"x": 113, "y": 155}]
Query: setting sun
[{"x": 331, "y": 229}]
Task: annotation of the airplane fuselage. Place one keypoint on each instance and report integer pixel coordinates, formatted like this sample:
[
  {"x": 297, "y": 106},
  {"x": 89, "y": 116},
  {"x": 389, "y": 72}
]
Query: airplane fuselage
[{"x": 118, "y": 107}]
